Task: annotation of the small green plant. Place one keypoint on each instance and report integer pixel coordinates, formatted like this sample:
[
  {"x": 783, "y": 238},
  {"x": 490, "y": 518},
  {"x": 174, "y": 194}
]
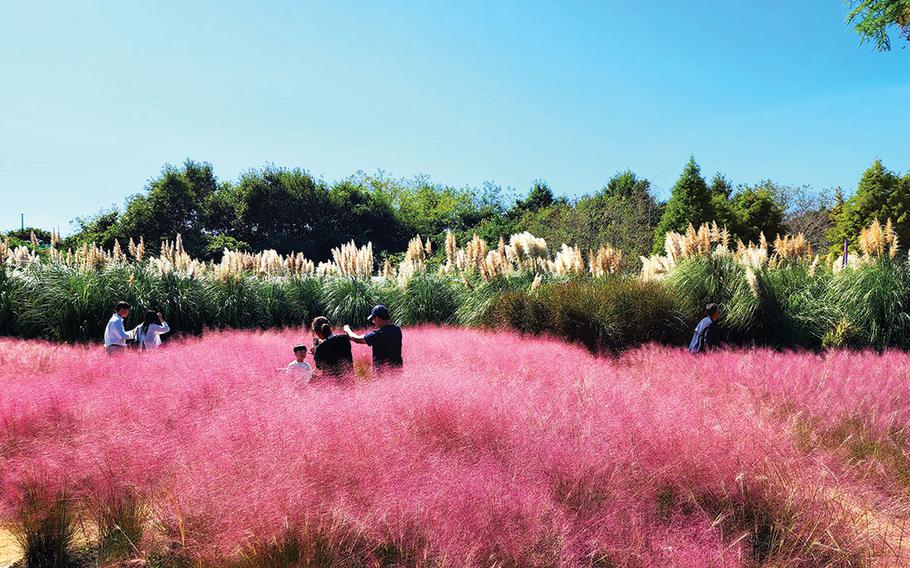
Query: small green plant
[
  {"x": 45, "y": 530},
  {"x": 121, "y": 520}
]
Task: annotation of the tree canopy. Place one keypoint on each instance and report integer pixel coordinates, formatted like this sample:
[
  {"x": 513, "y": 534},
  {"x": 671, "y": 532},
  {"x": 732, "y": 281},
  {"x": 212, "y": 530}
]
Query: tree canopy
[
  {"x": 874, "y": 19},
  {"x": 882, "y": 195},
  {"x": 690, "y": 204},
  {"x": 287, "y": 209}
]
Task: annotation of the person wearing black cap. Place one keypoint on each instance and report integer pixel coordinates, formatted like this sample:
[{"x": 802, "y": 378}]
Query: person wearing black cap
[
  {"x": 385, "y": 339},
  {"x": 704, "y": 331}
]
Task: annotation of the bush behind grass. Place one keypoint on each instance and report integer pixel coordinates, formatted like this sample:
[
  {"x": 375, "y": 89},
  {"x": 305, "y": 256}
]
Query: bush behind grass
[{"x": 603, "y": 315}]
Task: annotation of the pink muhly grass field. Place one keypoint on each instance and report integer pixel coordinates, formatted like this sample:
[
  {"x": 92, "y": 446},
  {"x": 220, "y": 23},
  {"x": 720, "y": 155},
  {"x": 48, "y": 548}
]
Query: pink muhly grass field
[{"x": 488, "y": 449}]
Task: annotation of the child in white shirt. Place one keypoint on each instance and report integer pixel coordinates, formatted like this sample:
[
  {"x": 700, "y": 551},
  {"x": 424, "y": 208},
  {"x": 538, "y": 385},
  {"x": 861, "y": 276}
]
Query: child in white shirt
[{"x": 299, "y": 368}]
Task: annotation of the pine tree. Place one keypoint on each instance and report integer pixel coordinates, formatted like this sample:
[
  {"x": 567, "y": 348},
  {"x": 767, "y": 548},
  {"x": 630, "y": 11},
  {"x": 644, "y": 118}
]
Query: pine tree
[
  {"x": 690, "y": 202},
  {"x": 882, "y": 195}
]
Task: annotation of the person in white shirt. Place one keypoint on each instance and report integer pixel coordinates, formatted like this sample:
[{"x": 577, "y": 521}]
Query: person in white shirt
[
  {"x": 115, "y": 335},
  {"x": 148, "y": 334},
  {"x": 299, "y": 368}
]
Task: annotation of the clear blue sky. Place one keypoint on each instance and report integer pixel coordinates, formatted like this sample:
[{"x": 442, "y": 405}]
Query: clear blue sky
[{"x": 95, "y": 97}]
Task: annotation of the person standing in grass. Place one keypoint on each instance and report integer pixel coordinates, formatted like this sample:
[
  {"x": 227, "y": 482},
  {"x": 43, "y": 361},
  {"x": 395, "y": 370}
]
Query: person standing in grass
[
  {"x": 385, "y": 339},
  {"x": 148, "y": 334},
  {"x": 704, "y": 338},
  {"x": 115, "y": 335},
  {"x": 331, "y": 352}
]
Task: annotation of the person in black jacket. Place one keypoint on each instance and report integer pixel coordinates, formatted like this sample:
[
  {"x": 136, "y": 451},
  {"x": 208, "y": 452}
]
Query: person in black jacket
[
  {"x": 385, "y": 339},
  {"x": 704, "y": 339},
  {"x": 332, "y": 352}
]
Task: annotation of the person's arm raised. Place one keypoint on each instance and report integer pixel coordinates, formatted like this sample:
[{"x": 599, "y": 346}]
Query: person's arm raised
[{"x": 354, "y": 337}]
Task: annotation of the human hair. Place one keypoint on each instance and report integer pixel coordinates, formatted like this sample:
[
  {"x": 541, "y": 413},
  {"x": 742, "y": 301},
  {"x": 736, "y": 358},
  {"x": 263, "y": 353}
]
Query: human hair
[
  {"x": 151, "y": 316},
  {"x": 122, "y": 306},
  {"x": 299, "y": 348},
  {"x": 322, "y": 326},
  {"x": 711, "y": 309}
]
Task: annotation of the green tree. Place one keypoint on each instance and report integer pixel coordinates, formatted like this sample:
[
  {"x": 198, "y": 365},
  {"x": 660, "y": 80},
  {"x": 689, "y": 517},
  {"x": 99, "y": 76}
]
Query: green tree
[
  {"x": 721, "y": 204},
  {"x": 627, "y": 185},
  {"x": 622, "y": 214},
  {"x": 95, "y": 228},
  {"x": 690, "y": 203},
  {"x": 539, "y": 197},
  {"x": 873, "y": 19},
  {"x": 25, "y": 235},
  {"x": 286, "y": 210},
  {"x": 881, "y": 194},
  {"x": 171, "y": 205},
  {"x": 355, "y": 212},
  {"x": 757, "y": 210}
]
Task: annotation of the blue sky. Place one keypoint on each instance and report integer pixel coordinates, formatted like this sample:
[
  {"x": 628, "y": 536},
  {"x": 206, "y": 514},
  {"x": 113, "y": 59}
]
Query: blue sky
[{"x": 97, "y": 96}]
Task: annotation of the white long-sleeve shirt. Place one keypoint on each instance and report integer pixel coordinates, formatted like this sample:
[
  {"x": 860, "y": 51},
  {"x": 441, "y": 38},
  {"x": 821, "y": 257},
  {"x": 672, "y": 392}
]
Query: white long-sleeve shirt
[
  {"x": 151, "y": 339},
  {"x": 115, "y": 333}
]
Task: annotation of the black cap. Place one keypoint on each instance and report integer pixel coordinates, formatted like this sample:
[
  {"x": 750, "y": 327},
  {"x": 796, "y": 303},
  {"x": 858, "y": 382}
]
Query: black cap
[{"x": 379, "y": 311}]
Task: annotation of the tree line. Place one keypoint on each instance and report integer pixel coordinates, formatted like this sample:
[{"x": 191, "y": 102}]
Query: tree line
[{"x": 288, "y": 209}]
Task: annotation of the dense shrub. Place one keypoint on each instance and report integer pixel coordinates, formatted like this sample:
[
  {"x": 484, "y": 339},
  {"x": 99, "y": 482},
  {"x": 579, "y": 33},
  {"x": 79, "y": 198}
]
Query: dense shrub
[
  {"x": 782, "y": 306},
  {"x": 349, "y": 300},
  {"x": 602, "y": 314},
  {"x": 425, "y": 298},
  {"x": 872, "y": 304}
]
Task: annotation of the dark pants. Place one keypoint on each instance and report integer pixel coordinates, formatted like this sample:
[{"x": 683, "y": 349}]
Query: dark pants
[{"x": 114, "y": 349}]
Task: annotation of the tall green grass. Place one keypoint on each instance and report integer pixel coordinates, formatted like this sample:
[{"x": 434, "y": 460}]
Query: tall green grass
[
  {"x": 602, "y": 314},
  {"x": 789, "y": 305},
  {"x": 871, "y": 305},
  {"x": 425, "y": 298}
]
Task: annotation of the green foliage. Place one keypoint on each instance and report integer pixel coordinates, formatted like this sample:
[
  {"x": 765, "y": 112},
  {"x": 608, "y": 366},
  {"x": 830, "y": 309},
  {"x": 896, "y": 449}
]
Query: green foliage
[
  {"x": 426, "y": 298},
  {"x": 283, "y": 210},
  {"x": 121, "y": 521},
  {"x": 603, "y": 315},
  {"x": 46, "y": 530},
  {"x": 756, "y": 210},
  {"x": 540, "y": 197},
  {"x": 475, "y": 296},
  {"x": 881, "y": 194},
  {"x": 25, "y": 235},
  {"x": 65, "y": 304},
  {"x": 780, "y": 307},
  {"x": 873, "y": 19},
  {"x": 349, "y": 301},
  {"x": 215, "y": 246},
  {"x": 721, "y": 194},
  {"x": 873, "y": 305},
  {"x": 98, "y": 228},
  {"x": 700, "y": 281},
  {"x": 10, "y": 290},
  {"x": 623, "y": 214},
  {"x": 170, "y": 205},
  {"x": 690, "y": 203}
]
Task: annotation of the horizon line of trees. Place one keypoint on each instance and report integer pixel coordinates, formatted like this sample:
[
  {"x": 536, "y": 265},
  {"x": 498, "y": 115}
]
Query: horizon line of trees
[{"x": 287, "y": 209}]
